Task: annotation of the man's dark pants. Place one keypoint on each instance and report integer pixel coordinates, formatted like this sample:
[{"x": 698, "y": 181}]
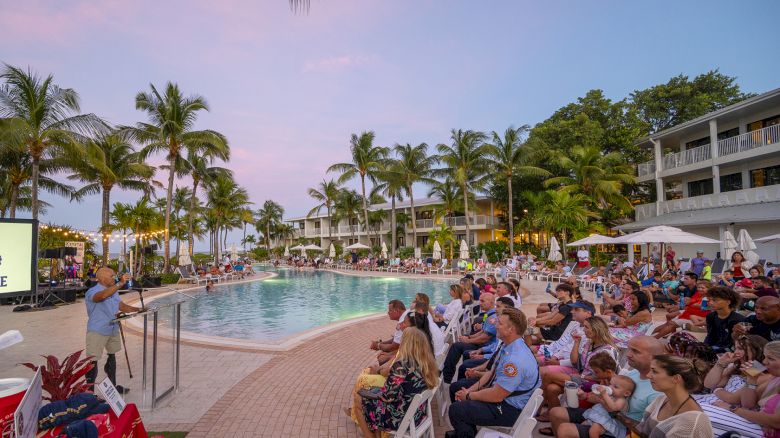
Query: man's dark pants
[
  {"x": 466, "y": 415},
  {"x": 468, "y": 363},
  {"x": 460, "y": 384},
  {"x": 453, "y": 356}
]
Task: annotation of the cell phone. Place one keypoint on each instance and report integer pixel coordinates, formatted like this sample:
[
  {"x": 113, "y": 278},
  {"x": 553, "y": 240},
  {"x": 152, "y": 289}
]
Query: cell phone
[{"x": 371, "y": 394}]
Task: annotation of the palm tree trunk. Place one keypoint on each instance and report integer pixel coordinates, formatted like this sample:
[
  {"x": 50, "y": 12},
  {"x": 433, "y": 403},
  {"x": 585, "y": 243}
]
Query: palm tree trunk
[
  {"x": 167, "y": 255},
  {"x": 104, "y": 221},
  {"x": 510, "y": 214},
  {"x": 330, "y": 227},
  {"x": 243, "y": 241},
  {"x": 466, "y": 212},
  {"x": 216, "y": 243},
  {"x": 190, "y": 218},
  {"x": 268, "y": 236},
  {"x": 365, "y": 204},
  {"x": 36, "y": 162},
  {"x": 124, "y": 246},
  {"x": 394, "y": 234},
  {"x": 414, "y": 217},
  {"x": 14, "y": 200}
]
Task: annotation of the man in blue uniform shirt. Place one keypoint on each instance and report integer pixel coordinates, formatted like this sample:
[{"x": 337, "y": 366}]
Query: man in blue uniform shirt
[
  {"x": 103, "y": 304},
  {"x": 499, "y": 396},
  {"x": 485, "y": 335}
]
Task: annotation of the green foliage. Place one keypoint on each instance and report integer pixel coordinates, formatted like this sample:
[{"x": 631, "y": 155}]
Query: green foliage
[
  {"x": 261, "y": 253},
  {"x": 169, "y": 278},
  {"x": 494, "y": 250},
  {"x": 405, "y": 252},
  {"x": 201, "y": 259}
]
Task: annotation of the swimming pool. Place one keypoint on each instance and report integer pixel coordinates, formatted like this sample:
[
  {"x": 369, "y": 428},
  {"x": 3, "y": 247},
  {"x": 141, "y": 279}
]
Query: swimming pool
[{"x": 294, "y": 302}]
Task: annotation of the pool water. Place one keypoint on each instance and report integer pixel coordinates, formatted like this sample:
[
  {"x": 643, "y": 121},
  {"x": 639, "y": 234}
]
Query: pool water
[{"x": 296, "y": 301}]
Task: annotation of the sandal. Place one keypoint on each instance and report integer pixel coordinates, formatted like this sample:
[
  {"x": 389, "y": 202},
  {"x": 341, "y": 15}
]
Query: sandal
[{"x": 546, "y": 431}]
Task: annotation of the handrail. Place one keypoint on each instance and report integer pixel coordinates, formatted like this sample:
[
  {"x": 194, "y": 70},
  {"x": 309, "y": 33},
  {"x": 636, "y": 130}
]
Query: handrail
[
  {"x": 647, "y": 168},
  {"x": 749, "y": 140},
  {"x": 690, "y": 156}
]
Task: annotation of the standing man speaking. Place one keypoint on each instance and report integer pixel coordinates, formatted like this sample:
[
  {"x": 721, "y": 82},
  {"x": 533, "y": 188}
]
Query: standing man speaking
[{"x": 103, "y": 304}]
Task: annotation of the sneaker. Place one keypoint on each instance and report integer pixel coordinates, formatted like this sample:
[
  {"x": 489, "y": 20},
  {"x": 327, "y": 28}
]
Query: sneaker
[
  {"x": 652, "y": 308},
  {"x": 122, "y": 390}
]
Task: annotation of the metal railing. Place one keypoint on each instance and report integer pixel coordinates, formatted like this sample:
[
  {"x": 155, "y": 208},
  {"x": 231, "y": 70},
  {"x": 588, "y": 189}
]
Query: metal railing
[
  {"x": 647, "y": 168},
  {"x": 460, "y": 221},
  {"x": 424, "y": 223},
  {"x": 749, "y": 140},
  {"x": 685, "y": 158},
  {"x": 314, "y": 233}
]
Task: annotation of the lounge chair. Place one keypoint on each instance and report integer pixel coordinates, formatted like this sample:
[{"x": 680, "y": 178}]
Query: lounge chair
[{"x": 187, "y": 277}]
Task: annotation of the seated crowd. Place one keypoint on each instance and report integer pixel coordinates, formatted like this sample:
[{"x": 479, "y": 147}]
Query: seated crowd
[{"x": 709, "y": 368}]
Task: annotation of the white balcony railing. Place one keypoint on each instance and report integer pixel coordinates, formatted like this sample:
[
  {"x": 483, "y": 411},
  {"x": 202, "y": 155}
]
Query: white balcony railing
[
  {"x": 315, "y": 232},
  {"x": 647, "y": 168},
  {"x": 685, "y": 158},
  {"x": 460, "y": 221},
  {"x": 424, "y": 223},
  {"x": 755, "y": 195},
  {"x": 749, "y": 140}
]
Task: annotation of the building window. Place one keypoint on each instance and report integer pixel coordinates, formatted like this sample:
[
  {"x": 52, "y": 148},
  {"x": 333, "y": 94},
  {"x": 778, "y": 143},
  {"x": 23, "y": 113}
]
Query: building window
[
  {"x": 673, "y": 190},
  {"x": 765, "y": 177},
  {"x": 733, "y": 132},
  {"x": 700, "y": 188},
  {"x": 427, "y": 214},
  {"x": 729, "y": 183},
  {"x": 697, "y": 143}
]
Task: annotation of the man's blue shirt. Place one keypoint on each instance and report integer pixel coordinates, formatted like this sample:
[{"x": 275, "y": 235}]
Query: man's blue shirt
[{"x": 101, "y": 314}]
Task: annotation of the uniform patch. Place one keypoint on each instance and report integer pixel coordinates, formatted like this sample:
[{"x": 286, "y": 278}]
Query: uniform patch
[
  {"x": 510, "y": 370},
  {"x": 492, "y": 320}
]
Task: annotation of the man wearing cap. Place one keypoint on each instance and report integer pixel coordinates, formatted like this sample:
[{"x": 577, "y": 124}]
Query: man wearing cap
[
  {"x": 561, "y": 349},
  {"x": 697, "y": 264}
]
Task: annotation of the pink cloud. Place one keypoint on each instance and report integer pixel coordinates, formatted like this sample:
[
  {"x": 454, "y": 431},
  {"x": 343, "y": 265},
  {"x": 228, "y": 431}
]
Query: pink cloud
[{"x": 336, "y": 63}]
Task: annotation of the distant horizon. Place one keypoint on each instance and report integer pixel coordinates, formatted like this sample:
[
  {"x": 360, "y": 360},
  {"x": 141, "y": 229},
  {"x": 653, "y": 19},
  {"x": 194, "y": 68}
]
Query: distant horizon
[{"x": 289, "y": 89}]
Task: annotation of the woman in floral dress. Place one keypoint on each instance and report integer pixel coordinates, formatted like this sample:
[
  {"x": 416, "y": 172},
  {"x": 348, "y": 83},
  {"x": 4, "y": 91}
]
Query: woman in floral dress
[
  {"x": 637, "y": 322},
  {"x": 413, "y": 371}
]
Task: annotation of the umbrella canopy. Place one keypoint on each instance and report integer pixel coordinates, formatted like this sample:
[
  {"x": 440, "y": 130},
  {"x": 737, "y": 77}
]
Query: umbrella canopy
[
  {"x": 417, "y": 253},
  {"x": 357, "y": 246},
  {"x": 663, "y": 234},
  {"x": 484, "y": 256},
  {"x": 436, "y": 250},
  {"x": 555, "y": 250},
  {"x": 768, "y": 239},
  {"x": 184, "y": 255},
  {"x": 233, "y": 252},
  {"x": 332, "y": 251},
  {"x": 312, "y": 247},
  {"x": 298, "y": 248},
  {"x": 746, "y": 245},
  {"x": 286, "y": 251},
  {"x": 384, "y": 251},
  {"x": 729, "y": 244},
  {"x": 464, "y": 250},
  {"x": 593, "y": 239}
]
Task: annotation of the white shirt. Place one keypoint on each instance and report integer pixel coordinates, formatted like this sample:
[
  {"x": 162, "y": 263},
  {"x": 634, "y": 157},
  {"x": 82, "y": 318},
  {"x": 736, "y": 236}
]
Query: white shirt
[
  {"x": 436, "y": 336},
  {"x": 452, "y": 308},
  {"x": 583, "y": 255},
  {"x": 561, "y": 348}
]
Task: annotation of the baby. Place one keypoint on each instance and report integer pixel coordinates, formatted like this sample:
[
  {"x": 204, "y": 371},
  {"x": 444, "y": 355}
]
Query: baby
[{"x": 614, "y": 398}]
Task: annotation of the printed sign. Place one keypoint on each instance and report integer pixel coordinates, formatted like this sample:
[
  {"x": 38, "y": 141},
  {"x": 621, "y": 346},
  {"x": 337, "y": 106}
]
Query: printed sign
[
  {"x": 26, "y": 415},
  {"x": 107, "y": 390}
]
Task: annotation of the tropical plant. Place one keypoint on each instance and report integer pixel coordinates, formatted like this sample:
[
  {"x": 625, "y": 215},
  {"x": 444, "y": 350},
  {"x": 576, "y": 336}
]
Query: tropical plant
[
  {"x": 63, "y": 379},
  {"x": 450, "y": 197},
  {"x": 415, "y": 166},
  {"x": 268, "y": 217},
  {"x": 146, "y": 219},
  {"x": 226, "y": 199},
  {"x": 464, "y": 161},
  {"x": 445, "y": 236},
  {"x": 367, "y": 161},
  {"x": 348, "y": 207},
  {"x": 45, "y": 120},
  {"x": 564, "y": 213},
  {"x": 284, "y": 231},
  {"x": 390, "y": 182},
  {"x": 251, "y": 240},
  {"x": 170, "y": 130},
  {"x": 510, "y": 156},
  {"x": 326, "y": 194},
  {"x": 110, "y": 161}
]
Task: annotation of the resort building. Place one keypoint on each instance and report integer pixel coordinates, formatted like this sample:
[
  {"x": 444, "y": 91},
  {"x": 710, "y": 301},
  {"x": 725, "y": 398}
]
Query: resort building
[
  {"x": 715, "y": 173},
  {"x": 483, "y": 224}
]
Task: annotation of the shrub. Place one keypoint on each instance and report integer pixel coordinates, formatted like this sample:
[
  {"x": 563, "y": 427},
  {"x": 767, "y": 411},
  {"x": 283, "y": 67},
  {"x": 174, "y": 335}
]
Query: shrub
[
  {"x": 63, "y": 379},
  {"x": 169, "y": 278}
]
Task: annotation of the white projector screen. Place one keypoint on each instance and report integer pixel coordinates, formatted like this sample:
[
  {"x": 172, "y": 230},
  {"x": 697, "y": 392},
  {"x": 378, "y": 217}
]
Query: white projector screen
[{"x": 18, "y": 256}]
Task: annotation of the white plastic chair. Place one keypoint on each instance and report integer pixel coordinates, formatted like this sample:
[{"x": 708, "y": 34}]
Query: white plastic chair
[
  {"x": 451, "y": 331},
  {"x": 525, "y": 423},
  {"x": 407, "y": 428}
]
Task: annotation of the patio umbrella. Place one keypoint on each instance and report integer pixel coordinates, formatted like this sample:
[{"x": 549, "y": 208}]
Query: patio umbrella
[
  {"x": 768, "y": 239},
  {"x": 384, "y": 250},
  {"x": 298, "y": 248},
  {"x": 484, "y": 256},
  {"x": 312, "y": 247},
  {"x": 233, "y": 252},
  {"x": 332, "y": 251},
  {"x": 593, "y": 239},
  {"x": 746, "y": 245},
  {"x": 729, "y": 245},
  {"x": 417, "y": 253},
  {"x": 436, "y": 250},
  {"x": 663, "y": 234},
  {"x": 555, "y": 250},
  {"x": 184, "y": 255},
  {"x": 464, "y": 250},
  {"x": 357, "y": 246},
  {"x": 286, "y": 251}
]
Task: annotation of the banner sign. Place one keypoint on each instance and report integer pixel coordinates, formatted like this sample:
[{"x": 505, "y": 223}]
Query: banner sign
[
  {"x": 18, "y": 256},
  {"x": 112, "y": 396},
  {"x": 26, "y": 415}
]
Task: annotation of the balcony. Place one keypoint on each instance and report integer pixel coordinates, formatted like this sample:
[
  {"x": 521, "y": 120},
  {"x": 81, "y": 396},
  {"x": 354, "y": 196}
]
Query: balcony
[
  {"x": 644, "y": 169},
  {"x": 726, "y": 199},
  {"x": 424, "y": 223},
  {"x": 749, "y": 141},
  {"x": 313, "y": 232},
  {"x": 685, "y": 158},
  {"x": 460, "y": 221}
]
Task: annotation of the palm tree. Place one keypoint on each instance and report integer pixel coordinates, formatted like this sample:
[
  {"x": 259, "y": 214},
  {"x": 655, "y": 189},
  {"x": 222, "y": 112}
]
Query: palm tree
[
  {"x": 247, "y": 216},
  {"x": 110, "y": 161},
  {"x": 510, "y": 156},
  {"x": 198, "y": 166},
  {"x": 268, "y": 217},
  {"x": 367, "y": 160},
  {"x": 564, "y": 213},
  {"x": 225, "y": 198},
  {"x": 145, "y": 219},
  {"x": 450, "y": 197},
  {"x": 464, "y": 161},
  {"x": 45, "y": 119},
  {"x": 391, "y": 183},
  {"x": 284, "y": 232},
  {"x": 326, "y": 193},
  {"x": 250, "y": 239},
  {"x": 123, "y": 220},
  {"x": 348, "y": 207},
  {"x": 415, "y": 166},
  {"x": 445, "y": 235},
  {"x": 172, "y": 118}
]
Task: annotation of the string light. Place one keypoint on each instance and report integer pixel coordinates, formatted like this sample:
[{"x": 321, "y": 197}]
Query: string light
[{"x": 96, "y": 235}]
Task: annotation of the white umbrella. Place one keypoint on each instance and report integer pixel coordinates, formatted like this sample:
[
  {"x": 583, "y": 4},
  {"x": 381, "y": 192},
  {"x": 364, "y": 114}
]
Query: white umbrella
[
  {"x": 768, "y": 239},
  {"x": 312, "y": 247},
  {"x": 298, "y": 248},
  {"x": 184, "y": 255},
  {"x": 332, "y": 251},
  {"x": 384, "y": 251},
  {"x": 417, "y": 253},
  {"x": 357, "y": 246},
  {"x": 663, "y": 234},
  {"x": 729, "y": 245},
  {"x": 593, "y": 239},
  {"x": 746, "y": 245},
  {"x": 484, "y": 256},
  {"x": 233, "y": 252},
  {"x": 555, "y": 250},
  {"x": 436, "y": 250},
  {"x": 464, "y": 250},
  {"x": 286, "y": 251}
]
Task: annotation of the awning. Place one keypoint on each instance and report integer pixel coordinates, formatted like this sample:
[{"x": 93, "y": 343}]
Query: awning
[{"x": 739, "y": 214}]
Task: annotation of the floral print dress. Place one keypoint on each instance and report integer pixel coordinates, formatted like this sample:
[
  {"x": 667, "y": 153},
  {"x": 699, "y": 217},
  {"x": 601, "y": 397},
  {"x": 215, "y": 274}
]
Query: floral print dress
[{"x": 402, "y": 384}]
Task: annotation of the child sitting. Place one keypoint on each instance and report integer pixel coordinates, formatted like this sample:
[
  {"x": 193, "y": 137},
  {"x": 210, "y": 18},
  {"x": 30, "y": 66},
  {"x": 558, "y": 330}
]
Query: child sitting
[
  {"x": 614, "y": 399},
  {"x": 693, "y": 314}
]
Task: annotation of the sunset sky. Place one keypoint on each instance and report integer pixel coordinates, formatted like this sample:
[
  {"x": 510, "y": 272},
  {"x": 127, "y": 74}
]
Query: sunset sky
[{"x": 288, "y": 89}]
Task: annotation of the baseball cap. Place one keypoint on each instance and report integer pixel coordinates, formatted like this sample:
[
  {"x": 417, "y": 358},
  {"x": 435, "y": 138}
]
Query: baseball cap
[
  {"x": 469, "y": 276},
  {"x": 581, "y": 305}
]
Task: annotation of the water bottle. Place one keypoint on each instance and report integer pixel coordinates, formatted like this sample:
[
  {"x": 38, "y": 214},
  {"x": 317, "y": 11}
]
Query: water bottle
[
  {"x": 570, "y": 389},
  {"x": 549, "y": 287},
  {"x": 682, "y": 301},
  {"x": 602, "y": 389},
  {"x": 129, "y": 284},
  {"x": 547, "y": 355},
  {"x": 704, "y": 303},
  {"x": 599, "y": 292}
]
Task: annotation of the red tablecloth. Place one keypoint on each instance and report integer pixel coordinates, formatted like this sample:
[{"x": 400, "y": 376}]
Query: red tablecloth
[{"x": 128, "y": 425}]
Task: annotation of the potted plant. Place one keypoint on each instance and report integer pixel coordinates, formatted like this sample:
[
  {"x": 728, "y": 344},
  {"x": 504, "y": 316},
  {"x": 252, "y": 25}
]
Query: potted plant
[{"x": 64, "y": 379}]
